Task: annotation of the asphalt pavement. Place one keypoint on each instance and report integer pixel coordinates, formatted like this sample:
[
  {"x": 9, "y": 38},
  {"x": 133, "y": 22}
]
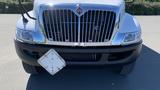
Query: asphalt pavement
[{"x": 146, "y": 75}]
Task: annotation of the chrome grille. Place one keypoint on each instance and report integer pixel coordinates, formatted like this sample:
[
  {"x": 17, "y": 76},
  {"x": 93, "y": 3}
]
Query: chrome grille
[
  {"x": 97, "y": 26},
  {"x": 66, "y": 26},
  {"x": 61, "y": 25}
]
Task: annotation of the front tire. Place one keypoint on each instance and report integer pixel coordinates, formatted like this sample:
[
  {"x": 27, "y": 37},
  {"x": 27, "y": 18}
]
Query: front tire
[{"x": 31, "y": 69}]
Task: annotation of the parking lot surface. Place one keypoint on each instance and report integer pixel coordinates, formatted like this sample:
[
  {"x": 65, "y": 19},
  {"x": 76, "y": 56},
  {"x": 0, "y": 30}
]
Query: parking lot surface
[{"x": 146, "y": 75}]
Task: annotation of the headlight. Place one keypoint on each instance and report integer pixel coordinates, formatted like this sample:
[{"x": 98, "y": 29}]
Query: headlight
[
  {"x": 24, "y": 35},
  {"x": 131, "y": 37}
]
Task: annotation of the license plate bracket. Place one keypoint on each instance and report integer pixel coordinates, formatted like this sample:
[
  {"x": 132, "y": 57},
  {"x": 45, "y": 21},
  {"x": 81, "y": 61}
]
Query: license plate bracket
[{"x": 52, "y": 62}]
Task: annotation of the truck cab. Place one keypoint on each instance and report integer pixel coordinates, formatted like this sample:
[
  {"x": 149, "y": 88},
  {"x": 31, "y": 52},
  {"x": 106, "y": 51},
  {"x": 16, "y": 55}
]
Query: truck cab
[{"x": 82, "y": 32}]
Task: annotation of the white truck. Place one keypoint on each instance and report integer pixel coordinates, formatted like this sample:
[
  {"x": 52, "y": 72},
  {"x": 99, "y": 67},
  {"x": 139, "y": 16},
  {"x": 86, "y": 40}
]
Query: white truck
[{"x": 78, "y": 32}]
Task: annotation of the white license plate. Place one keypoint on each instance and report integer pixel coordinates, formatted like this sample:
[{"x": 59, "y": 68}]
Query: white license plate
[{"x": 52, "y": 62}]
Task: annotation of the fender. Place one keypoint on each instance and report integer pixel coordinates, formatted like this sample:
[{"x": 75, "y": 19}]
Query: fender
[{"x": 129, "y": 24}]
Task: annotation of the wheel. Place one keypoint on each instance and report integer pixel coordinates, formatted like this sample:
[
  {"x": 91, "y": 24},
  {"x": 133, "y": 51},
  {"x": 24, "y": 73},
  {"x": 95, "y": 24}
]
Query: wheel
[
  {"x": 124, "y": 69},
  {"x": 31, "y": 69}
]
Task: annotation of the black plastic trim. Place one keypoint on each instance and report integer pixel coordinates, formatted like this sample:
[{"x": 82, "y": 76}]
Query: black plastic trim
[{"x": 105, "y": 50}]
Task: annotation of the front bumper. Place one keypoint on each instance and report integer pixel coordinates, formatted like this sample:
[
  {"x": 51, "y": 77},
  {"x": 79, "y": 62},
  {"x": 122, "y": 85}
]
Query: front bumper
[{"x": 107, "y": 55}]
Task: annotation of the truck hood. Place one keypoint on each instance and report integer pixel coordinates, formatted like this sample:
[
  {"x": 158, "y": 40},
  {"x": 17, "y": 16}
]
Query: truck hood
[
  {"x": 113, "y": 5},
  {"x": 118, "y": 5},
  {"x": 104, "y": 2}
]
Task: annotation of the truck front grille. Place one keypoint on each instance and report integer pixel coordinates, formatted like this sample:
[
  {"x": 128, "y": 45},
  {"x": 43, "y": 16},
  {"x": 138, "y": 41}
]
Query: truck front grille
[
  {"x": 97, "y": 26},
  {"x": 61, "y": 25},
  {"x": 66, "y": 26}
]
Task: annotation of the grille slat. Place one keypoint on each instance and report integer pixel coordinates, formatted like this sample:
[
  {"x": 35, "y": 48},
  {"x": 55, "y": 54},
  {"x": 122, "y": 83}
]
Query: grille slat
[
  {"x": 86, "y": 29},
  {"x": 49, "y": 28},
  {"x": 46, "y": 25},
  {"x": 75, "y": 29},
  {"x": 53, "y": 27},
  {"x": 90, "y": 27},
  {"x": 101, "y": 23},
  {"x": 103, "y": 27},
  {"x": 65, "y": 26},
  {"x": 82, "y": 29},
  {"x": 107, "y": 26},
  {"x": 57, "y": 29},
  {"x": 60, "y": 24},
  {"x": 68, "y": 35},
  {"x": 94, "y": 20},
  {"x": 111, "y": 27},
  {"x": 97, "y": 26},
  {"x": 71, "y": 27}
]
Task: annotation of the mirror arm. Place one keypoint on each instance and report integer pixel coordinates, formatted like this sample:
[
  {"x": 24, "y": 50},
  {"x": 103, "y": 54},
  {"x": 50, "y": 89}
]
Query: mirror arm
[{"x": 23, "y": 10}]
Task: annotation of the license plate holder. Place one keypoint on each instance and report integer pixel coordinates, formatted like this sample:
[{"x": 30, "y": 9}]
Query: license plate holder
[{"x": 52, "y": 62}]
